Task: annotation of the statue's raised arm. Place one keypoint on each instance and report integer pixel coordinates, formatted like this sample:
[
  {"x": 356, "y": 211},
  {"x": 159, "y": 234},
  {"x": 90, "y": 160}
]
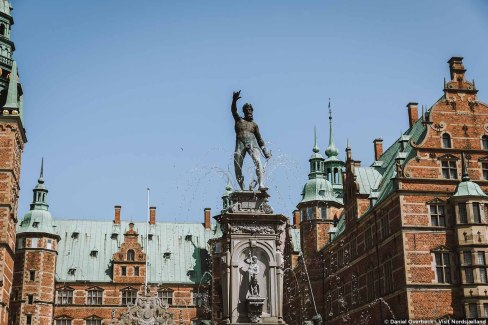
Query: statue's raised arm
[{"x": 235, "y": 98}]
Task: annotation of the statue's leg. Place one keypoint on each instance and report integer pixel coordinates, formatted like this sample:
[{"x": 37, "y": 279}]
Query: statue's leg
[
  {"x": 255, "y": 154},
  {"x": 239, "y": 154}
]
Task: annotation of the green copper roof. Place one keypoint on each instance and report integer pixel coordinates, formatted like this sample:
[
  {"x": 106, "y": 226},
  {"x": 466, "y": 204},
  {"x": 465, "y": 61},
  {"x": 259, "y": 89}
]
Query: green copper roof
[
  {"x": 12, "y": 95},
  {"x": 319, "y": 189},
  {"x": 466, "y": 187},
  {"x": 186, "y": 243},
  {"x": 38, "y": 219},
  {"x": 469, "y": 188},
  {"x": 331, "y": 150}
]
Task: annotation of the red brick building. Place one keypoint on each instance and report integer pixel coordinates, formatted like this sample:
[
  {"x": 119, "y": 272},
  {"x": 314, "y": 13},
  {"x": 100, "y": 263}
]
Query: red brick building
[{"x": 411, "y": 241}]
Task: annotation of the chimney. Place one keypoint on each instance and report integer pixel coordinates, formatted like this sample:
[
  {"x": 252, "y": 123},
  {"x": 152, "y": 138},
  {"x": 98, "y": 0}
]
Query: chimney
[
  {"x": 378, "y": 148},
  {"x": 206, "y": 218},
  {"x": 456, "y": 68},
  {"x": 296, "y": 219},
  {"x": 152, "y": 215},
  {"x": 413, "y": 113},
  {"x": 117, "y": 214}
]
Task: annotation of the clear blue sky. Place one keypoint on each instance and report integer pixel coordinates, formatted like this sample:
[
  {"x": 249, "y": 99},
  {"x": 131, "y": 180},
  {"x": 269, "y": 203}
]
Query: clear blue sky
[{"x": 121, "y": 95}]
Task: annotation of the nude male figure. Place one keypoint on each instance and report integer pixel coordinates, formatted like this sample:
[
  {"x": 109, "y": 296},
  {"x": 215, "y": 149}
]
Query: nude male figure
[{"x": 248, "y": 141}]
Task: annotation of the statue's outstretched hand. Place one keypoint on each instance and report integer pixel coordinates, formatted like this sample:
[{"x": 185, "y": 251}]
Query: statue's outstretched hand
[
  {"x": 236, "y": 96},
  {"x": 266, "y": 153}
]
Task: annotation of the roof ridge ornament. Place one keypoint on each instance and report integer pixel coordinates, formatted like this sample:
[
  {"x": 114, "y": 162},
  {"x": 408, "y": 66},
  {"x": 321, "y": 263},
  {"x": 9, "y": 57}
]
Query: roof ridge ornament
[{"x": 331, "y": 150}]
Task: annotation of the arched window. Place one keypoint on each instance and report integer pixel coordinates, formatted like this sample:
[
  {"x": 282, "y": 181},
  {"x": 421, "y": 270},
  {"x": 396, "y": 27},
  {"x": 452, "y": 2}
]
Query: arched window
[
  {"x": 130, "y": 255},
  {"x": 329, "y": 175},
  {"x": 484, "y": 142},
  {"x": 446, "y": 140},
  {"x": 336, "y": 176}
]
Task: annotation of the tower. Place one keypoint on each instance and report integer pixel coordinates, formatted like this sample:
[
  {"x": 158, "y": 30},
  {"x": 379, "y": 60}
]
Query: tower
[
  {"x": 12, "y": 140},
  {"x": 35, "y": 262}
]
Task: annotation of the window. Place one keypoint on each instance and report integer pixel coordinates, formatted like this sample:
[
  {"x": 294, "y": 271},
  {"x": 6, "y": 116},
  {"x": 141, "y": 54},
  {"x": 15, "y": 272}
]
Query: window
[
  {"x": 94, "y": 253},
  {"x": 65, "y": 297},
  {"x": 32, "y": 275},
  {"x": 34, "y": 242},
  {"x": 166, "y": 297},
  {"x": 20, "y": 243},
  {"x": 323, "y": 212},
  {"x": 437, "y": 215},
  {"x": 28, "y": 319},
  {"x": 63, "y": 321},
  {"x": 72, "y": 271},
  {"x": 484, "y": 170},
  {"x": 136, "y": 270},
  {"x": 93, "y": 321},
  {"x": 310, "y": 213},
  {"x": 49, "y": 244},
  {"x": 482, "y": 262},
  {"x": 368, "y": 237},
  {"x": 35, "y": 224},
  {"x": 95, "y": 297},
  {"x": 130, "y": 255},
  {"x": 446, "y": 141},
  {"x": 449, "y": 170},
  {"x": 129, "y": 296},
  {"x": 385, "y": 227},
  {"x": 30, "y": 299},
  {"x": 150, "y": 236},
  {"x": 388, "y": 274},
  {"x": 370, "y": 283},
  {"x": 484, "y": 142},
  {"x": 468, "y": 271},
  {"x": 472, "y": 310},
  {"x": 123, "y": 270},
  {"x": 463, "y": 214},
  {"x": 167, "y": 255},
  {"x": 443, "y": 267},
  {"x": 485, "y": 310},
  {"x": 75, "y": 235},
  {"x": 476, "y": 213}
]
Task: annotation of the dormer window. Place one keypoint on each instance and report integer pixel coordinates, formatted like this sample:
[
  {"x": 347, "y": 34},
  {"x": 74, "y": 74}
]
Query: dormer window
[
  {"x": 35, "y": 224},
  {"x": 150, "y": 236},
  {"x": 167, "y": 255},
  {"x": 130, "y": 255},
  {"x": 114, "y": 235},
  {"x": 72, "y": 271},
  {"x": 188, "y": 237},
  {"x": 94, "y": 253},
  {"x": 446, "y": 141},
  {"x": 75, "y": 235}
]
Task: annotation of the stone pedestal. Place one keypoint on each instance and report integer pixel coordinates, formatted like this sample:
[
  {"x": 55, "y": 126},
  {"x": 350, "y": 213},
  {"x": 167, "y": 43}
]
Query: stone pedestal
[{"x": 252, "y": 244}]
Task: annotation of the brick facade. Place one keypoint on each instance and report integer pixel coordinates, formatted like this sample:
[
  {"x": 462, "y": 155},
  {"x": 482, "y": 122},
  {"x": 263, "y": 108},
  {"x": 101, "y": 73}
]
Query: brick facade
[{"x": 418, "y": 251}]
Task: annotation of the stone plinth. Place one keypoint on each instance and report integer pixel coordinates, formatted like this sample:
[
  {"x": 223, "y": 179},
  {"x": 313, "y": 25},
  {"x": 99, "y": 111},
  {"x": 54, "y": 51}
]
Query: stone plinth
[{"x": 251, "y": 245}]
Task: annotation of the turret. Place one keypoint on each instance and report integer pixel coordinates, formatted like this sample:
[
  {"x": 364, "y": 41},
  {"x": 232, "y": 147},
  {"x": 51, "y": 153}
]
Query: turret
[
  {"x": 12, "y": 138},
  {"x": 318, "y": 206},
  {"x": 35, "y": 262}
]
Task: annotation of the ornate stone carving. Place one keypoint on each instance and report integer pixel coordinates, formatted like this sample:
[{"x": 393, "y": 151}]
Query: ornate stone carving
[
  {"x": 252, "y": 229},
  {"x": 472, "y": 102},
  {"x": 250, "y": 202},
  {"x": 147, "y": 311},
  {"x": 440, "y": 126}
]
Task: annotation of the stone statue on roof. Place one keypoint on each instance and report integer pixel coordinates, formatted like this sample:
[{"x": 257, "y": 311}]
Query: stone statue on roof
[{"x": 248, "y": 141}]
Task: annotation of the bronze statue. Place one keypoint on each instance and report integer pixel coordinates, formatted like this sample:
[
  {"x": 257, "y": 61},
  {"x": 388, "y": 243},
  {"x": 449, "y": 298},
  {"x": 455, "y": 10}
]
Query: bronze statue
[{"x": 248, "y": 140}]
